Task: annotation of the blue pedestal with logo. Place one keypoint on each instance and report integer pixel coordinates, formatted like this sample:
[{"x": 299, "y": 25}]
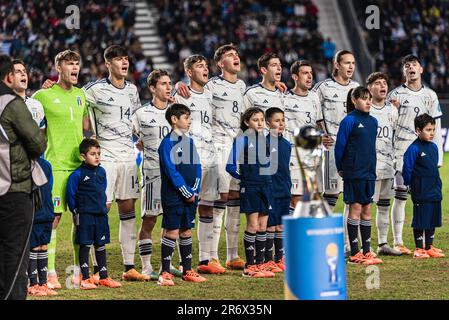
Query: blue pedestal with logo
[{"x": 314, "y": 258}]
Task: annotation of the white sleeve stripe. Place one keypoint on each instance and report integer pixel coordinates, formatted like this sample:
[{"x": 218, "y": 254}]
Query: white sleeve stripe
[
  {"x": 196, "y": 184},
  {"x": 187, "y": 192},
  {"x": 184, "y": 191}
]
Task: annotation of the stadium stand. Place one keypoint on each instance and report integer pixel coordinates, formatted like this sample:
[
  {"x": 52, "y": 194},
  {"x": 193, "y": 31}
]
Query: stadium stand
[
  {"x": 410, "y": 26},
  {"x": 289, "y": 28},
  {"x": 35, "y": 32}
]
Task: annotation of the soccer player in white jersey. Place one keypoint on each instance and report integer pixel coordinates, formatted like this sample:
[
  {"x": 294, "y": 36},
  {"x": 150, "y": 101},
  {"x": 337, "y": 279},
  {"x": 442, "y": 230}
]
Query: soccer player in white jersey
[
  {"x": 302, "y": 107},
  {"x": 266, "y": 94},
  {"x": 413, "y": 99},
  {"x": 200, "y": 105},
  {"x": 20, "y": 86},
  {"x": 386, "y": 115},
  {"x": 333, "y": 93},
  {"x": 227, "y": 100},
  {"x": 112, "y": 102},
  {"x": 150, "y": 126}
]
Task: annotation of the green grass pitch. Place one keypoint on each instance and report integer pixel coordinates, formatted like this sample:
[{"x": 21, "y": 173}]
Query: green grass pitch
[{"x": 400, "y": 277}]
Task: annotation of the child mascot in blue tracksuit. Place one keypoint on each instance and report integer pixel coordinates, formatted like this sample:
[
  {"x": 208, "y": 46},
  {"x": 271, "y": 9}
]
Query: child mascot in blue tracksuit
[
  {"x": 180, "y": 186},
  {"x": 40, "y": 237},
  {"x": 355, "y": 157},
  {"x": 280, "y": 153},
  {"x": 420, "y": 172},
  {"x": 86, "y": 199},
  {"x": 249, "y": 162}
]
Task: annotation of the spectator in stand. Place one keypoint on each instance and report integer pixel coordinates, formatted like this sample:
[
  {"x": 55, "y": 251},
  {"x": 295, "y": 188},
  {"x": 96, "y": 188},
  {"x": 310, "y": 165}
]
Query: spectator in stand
[
  {"x": 419, "y": 27},
  {"x": 287, "y": 27},
  {"x": 35, "y": 32}
]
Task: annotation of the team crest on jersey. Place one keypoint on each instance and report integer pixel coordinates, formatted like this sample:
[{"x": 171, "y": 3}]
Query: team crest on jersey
[
  {"x": 56, "y": 201},
  {"x": 79, "y": 101}
]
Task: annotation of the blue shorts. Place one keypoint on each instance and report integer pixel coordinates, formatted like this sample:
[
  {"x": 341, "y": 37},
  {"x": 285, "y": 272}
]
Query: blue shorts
[
  {"x": 426, "y": 215},
  {"x": 180, "y": 217},
  {"x": 256, "y": 199},
  {"x": 281, "y": 208},
  {"x": 358, "y": 191},
  {"x": 40, "y": 234},
  {"x": 93, "y": 229}
]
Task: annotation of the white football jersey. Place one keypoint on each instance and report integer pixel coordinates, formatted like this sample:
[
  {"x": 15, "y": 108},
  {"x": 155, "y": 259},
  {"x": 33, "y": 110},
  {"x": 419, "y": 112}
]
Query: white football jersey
[
  {"x": 37, "y": 111},
  {"x": 227, "y": 103},
  {"x": 110, "y": 109},
  {"x": 387, "y": 116},
  {"x": 150, "y": 125},
  {"x": 300, "y": 111},
  {"x": 200, "y": 105},
  {"x": 333, "y": 97},
  {"x": 412, "y": 104},
  {"x": 258, "y": 96}
]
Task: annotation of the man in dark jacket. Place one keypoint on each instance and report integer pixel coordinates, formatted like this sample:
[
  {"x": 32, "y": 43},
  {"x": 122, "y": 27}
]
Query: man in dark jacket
[{"x": 20, "y": 142}]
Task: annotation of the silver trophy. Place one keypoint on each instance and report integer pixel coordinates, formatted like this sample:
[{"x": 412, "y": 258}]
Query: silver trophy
[{"x": 310, "y": 153}]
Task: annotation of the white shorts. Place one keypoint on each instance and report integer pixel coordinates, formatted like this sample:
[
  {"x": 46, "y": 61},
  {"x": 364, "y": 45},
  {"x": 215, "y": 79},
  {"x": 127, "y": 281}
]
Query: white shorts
[
  {"x": 332, "y": 182},
  {"x": 224, "y": 178},
  {"x": 209, "y": 184},
  {"x": 122, "y": 180},
  {"x": 151, "y": 193},
  {"x": 399, "y": 181},
  {"x": 235, "y": 185},
  {"x": 383, "y": 189}
]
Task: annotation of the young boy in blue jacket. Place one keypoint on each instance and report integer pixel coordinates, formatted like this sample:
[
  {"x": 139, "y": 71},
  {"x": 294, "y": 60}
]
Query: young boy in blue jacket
[
  {"x": 420, "y": 172},
  {"x": 180, "y": 186},
  {"x": 249, "y": 162},
  {"x": 40, "y": 238},
  {"x": 86, "y": 199},
  {"x": 355, "y": 157},
  {"x": 280, "y": 161}
]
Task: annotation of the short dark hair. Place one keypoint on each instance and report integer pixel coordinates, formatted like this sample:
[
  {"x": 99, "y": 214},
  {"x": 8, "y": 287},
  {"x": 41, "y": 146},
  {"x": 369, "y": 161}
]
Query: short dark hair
[
  {"x": 373, "y": 77},
  {"x": 18, "y": 61},
  {"x": 294, "y": 69},
  {"x": 338, "y": 57},
  {"x": 222, "y": 50},
  {"x": 67, "y": 55},
  {"x": 155, "y": 75},
  {"x": 247, "y": 115},
  {"x": 423, "y": 120},
  {"x": 177, "y": 110},
  {"x": 356, "y": 93},
  {"x": 265, "y": 59},
  {"x": 270, "y": 112},
  {"x": 88, "y": 143},
  {"x": 191, "y": 60},
  {"x": 409, "y": 58},
  {"x": 114, "y": 51},
  {"x": 6, "y": 66}
]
